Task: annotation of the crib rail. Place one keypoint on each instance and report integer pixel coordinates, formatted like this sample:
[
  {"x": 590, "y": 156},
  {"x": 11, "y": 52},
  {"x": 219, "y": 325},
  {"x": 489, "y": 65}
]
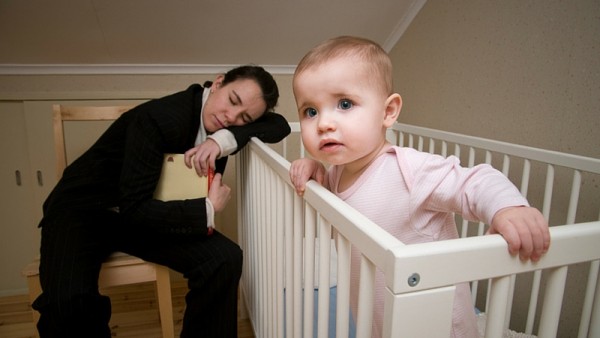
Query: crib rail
[
  {"x": 284, "y": 236},
  {"x": 477, "y": 258},
  {"x": 557, "y": 196}
]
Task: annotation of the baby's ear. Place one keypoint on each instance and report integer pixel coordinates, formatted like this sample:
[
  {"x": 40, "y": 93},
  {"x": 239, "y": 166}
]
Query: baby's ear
[{"x": 393, "y": 105}]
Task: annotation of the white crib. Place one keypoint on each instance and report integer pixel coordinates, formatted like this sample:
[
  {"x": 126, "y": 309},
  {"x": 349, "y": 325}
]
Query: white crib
[{"x": 280, "y": 233}]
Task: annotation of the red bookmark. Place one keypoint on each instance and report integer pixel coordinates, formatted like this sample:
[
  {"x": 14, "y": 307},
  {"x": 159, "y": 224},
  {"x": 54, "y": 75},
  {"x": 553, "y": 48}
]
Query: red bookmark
[{"x": 211, "y": 175}]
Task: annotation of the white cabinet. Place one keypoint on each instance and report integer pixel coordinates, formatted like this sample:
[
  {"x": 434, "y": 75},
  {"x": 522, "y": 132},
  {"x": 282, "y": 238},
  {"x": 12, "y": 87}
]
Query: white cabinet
[
  {"x": 19, "y": 238},
  {"x": 28, "y": 174}
]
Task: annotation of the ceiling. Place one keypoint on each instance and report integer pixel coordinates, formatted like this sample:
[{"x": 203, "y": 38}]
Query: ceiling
[{"x": 189, "y": 32}]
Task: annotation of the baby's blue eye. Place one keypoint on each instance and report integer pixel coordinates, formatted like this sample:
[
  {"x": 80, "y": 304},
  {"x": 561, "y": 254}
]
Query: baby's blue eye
[
  {"x": 345, "y": 104},
  {"x": 310, "y": 112}
]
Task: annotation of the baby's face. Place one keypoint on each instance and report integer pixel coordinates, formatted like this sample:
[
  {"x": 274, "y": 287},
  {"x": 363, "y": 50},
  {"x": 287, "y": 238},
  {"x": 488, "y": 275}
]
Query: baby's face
[{"x": 341, "y": 111}]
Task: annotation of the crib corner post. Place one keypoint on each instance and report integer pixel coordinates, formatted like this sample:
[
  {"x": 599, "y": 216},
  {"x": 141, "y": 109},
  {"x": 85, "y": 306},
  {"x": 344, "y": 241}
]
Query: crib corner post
[{"x": 426, "y": 313}]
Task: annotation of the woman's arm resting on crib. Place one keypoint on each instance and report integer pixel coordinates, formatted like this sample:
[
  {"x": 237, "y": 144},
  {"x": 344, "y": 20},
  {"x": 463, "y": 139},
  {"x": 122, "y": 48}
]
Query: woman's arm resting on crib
[
  {"x": 303, "y": 170},
  {"x": 525, "y": 230}
]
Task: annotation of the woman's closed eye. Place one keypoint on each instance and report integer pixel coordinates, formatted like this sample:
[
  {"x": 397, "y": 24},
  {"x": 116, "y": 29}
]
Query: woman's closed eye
[{"x": 246, "y": 118}]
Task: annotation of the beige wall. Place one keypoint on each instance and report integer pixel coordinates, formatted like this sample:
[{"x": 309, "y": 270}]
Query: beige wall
[{"x": 526, "y": 72}]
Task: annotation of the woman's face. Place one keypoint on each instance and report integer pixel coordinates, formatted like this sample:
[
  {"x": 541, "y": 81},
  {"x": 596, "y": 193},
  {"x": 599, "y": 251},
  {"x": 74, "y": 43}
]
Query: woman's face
[{"x": 235, "y": 104}]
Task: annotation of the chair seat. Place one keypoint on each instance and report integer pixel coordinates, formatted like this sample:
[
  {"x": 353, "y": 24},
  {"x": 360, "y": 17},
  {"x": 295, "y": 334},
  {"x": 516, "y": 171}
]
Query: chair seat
[{"x": 120, "y": 269}]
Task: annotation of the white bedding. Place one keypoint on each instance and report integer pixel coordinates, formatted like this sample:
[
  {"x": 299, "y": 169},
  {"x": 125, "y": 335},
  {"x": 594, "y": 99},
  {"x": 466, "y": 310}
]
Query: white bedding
[{"x": 481, "y": 317}]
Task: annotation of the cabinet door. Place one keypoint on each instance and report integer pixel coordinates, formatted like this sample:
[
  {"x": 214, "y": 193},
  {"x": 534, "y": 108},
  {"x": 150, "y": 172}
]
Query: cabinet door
[
  {"x": 78, "y": 137},
  {"x": 40, "y": 149},
  {"x": 28, "y": 175},
  {"x": 19, "y": 236}
]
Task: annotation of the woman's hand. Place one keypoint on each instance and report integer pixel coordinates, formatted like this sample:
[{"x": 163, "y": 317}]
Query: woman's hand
[
  {"x": 203, "y": 156},
  {"x": 303, "y": 170},
  {"x": 219, "y": 193}
]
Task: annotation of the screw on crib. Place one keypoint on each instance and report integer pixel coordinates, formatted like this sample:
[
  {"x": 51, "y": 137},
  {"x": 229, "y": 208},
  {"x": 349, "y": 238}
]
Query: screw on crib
[{"x": 414, "y": 279}]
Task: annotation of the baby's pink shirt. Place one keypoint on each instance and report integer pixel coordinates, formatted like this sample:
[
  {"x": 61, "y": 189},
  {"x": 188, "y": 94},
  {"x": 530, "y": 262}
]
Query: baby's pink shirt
[{"x": 413, "y": 195}]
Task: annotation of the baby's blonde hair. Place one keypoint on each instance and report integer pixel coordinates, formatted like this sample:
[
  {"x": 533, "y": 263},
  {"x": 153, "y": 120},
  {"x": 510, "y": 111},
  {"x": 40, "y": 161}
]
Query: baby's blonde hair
[{"x": 371, "y": 53}]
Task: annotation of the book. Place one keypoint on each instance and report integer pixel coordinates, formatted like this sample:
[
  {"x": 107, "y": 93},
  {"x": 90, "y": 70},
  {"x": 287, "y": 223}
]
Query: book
[{"x": 178, "y": 182}]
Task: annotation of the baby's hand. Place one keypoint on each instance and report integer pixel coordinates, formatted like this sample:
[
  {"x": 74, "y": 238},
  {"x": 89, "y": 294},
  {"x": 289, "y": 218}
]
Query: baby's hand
[
  {"x": 304, "y": 169},
  {"x": 525, "y": 230},
  {"x": 203, "y": 156}
]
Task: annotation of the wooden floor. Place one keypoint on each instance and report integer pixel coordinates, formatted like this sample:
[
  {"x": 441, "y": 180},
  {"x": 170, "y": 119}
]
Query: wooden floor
[{"x": 135, "y": 313}]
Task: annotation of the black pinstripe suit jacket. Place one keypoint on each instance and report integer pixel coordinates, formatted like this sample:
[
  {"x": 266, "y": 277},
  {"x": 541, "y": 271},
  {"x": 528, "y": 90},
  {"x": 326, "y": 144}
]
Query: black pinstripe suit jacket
[{"x": 123, "y": 167}]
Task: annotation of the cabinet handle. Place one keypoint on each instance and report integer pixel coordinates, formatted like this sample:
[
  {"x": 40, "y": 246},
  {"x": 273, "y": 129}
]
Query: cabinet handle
[
  {"x": 40, "y": 178},
  {"x": 18, "y": 177}
]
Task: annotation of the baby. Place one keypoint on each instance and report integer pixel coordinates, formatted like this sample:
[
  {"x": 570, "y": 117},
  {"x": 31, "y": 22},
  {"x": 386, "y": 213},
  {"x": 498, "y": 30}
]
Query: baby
[{"x": 343, "y": 90}]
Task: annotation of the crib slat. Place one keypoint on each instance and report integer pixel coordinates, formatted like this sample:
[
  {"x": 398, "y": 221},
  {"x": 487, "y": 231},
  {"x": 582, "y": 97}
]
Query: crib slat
[
  {"x": 498, "y": 302},
  {"x": 525, "y": 177},
  {"x": 594, "y": 330},
  {"x": 256, "y": 261},
  {"x": 298, "y": 254},
  {"x": 274, "y": 271},
  {"x": 365, "y": 298},
  {"x": 590, "y": 293},
  {"x": 309, "y": 268},
  {"x": 262, "y": 244},
  {"x": 271, "y": 268},
  {"x": 533, "y": 300},
  {"x": 471, "y": 157},
  {"x": 280, "y": 255},
  {"x": 548, "y": 190},
  {"x": 401, "y": 139},
  {"x": 324, "y": 270},
  {"x": 553, "y": 302},
  {"x": 444, "y": 151},
  {"x": 288, "y": 225},
  {"x": 505, "y": 164},
  {"x": 343, "y": 288},
  {"x": 574, "y": 199}
]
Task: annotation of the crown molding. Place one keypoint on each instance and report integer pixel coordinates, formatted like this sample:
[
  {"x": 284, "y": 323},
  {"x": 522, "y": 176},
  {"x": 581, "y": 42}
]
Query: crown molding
[
  {"x": 403, "y": 24},
  {"x": 127, "y": 69}
]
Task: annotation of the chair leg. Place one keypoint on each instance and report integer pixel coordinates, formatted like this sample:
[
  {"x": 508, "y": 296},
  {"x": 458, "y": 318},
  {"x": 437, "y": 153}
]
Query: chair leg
[
  {"x": 242, "y": 309},
  {"x": 165, "y": 302},
  {"x": 35, "y": 289}
]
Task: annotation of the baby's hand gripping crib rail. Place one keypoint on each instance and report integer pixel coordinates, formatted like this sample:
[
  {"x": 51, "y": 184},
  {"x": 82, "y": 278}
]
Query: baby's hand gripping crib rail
[{"x": 287, "y": 249}]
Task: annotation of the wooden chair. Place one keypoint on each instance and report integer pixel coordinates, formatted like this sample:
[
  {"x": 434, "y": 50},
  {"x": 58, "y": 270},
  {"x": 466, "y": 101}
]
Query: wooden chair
[{"x": 120, "y": 268}]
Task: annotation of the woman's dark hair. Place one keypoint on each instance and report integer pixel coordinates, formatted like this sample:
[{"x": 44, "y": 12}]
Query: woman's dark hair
[{"x": 264, "y": 79}]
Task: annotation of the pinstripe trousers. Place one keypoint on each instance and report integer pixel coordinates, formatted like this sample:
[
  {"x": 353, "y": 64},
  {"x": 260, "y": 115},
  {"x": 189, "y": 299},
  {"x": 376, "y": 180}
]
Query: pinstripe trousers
[{"x": 74, "y": 245}]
